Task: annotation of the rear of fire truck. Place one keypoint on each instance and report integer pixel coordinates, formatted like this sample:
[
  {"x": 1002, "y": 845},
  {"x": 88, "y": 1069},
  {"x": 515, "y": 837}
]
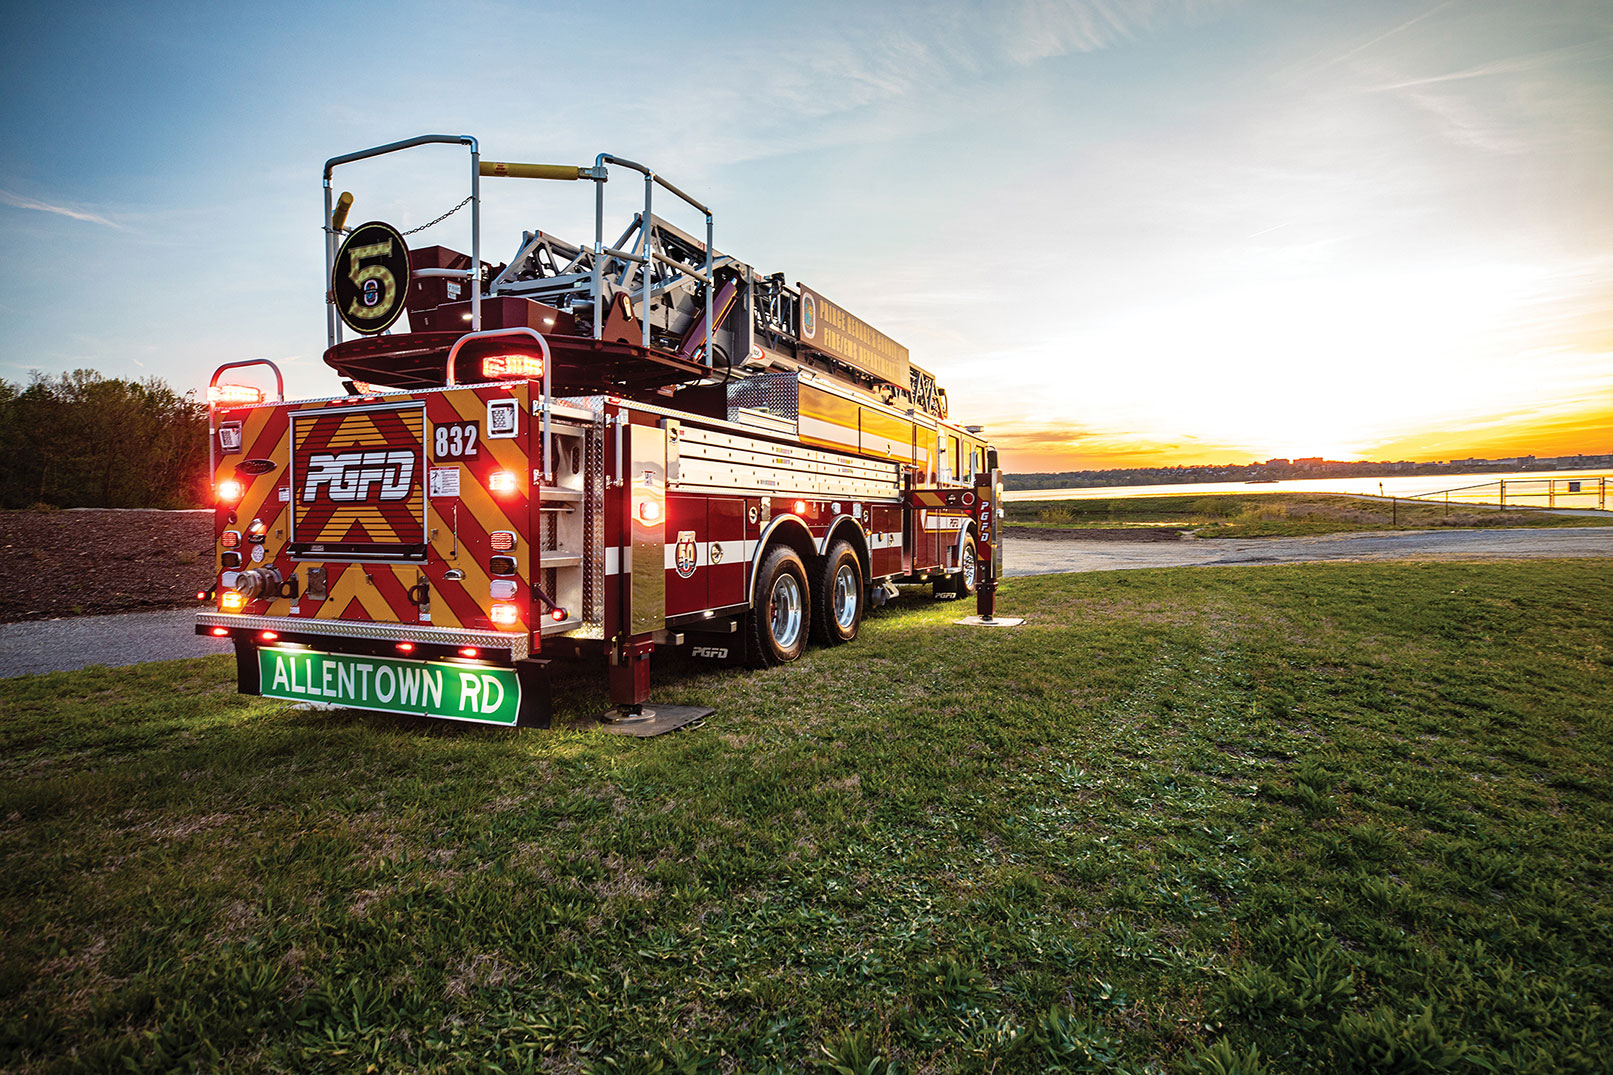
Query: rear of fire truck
[
  {"x": 492, "y": 491},
  {"x": 378, "y": 551}
]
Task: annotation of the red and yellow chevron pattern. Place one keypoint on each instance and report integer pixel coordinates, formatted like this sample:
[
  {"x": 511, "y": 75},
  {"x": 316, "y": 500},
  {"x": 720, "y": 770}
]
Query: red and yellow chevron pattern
[
  {"x": 357, "y": 478},
  {"x": 454, "y": 530}
]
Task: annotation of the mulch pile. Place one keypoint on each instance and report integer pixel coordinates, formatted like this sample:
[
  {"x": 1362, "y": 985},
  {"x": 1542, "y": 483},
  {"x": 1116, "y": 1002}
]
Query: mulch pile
[{"x": 87, "y": 561}]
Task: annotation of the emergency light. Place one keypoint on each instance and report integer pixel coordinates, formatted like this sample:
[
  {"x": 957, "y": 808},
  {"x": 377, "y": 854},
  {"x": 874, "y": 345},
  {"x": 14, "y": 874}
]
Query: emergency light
[
  {"x": 496, "y": 366},
  {"x": 234, "y": 394}
]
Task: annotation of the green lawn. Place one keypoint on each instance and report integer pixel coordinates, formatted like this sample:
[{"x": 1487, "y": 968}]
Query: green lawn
[
  {"x": 1277, "y": 514},
  {"x": 1336, "y": 817}
]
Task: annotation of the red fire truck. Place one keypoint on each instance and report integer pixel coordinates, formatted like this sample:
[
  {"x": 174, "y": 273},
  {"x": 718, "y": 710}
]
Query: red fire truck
[{"x": 584, "y": 453}]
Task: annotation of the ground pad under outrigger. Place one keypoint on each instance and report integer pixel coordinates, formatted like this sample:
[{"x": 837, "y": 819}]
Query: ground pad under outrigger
[{"x": 652, "y": 719}]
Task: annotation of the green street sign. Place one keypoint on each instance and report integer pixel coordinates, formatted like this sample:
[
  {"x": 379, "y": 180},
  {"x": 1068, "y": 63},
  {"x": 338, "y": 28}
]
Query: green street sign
[{"x": 423, "y": 688}]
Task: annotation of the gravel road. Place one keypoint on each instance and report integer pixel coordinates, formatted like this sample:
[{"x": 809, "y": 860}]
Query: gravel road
[
  {"x": 66, "y": 644},
  {"x": 1045, "y": 552},
  {"x": 80, "y": 641}
]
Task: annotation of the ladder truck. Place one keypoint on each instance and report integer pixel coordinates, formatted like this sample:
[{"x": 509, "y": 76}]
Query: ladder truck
[{"x": 586, "y": 453}]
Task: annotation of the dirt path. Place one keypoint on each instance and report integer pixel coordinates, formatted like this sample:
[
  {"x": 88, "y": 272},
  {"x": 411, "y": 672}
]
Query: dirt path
[{"x": 1030, "y": 551}]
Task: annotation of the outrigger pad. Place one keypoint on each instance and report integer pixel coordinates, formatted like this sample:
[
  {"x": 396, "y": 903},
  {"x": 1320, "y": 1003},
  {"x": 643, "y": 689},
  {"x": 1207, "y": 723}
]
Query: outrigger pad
[
  {"x": 652, "y": 719},
  {"x": 991, "y": 621}
]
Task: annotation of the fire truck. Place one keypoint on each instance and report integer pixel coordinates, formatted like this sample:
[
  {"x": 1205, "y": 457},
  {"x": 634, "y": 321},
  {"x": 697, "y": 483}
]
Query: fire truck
[{"x": 585, "y": 453}]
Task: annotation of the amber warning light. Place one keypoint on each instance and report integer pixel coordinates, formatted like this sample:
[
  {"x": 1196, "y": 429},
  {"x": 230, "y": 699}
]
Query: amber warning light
[
  {"x": 512, "y": 366},
  {"x": 234, "y": 394}
]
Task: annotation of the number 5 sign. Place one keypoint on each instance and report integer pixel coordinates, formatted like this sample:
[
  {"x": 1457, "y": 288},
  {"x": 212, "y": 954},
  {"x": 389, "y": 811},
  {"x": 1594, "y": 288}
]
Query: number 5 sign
[{"x": 371, "y": 277}]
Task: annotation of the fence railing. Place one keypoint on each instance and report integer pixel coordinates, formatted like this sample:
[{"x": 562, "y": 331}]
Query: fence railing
[{"x": 1580, "y": 492}]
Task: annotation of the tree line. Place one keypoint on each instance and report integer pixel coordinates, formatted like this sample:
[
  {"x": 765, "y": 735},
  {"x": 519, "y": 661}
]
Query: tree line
[{"x": 83, "y": 440}]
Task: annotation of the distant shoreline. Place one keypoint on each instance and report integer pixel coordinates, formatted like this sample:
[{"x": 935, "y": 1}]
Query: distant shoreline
[{"x": 1525, "y": 488}]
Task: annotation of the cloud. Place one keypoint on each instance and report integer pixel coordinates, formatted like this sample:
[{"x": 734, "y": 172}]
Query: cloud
[{"x": 18, "y": 201}]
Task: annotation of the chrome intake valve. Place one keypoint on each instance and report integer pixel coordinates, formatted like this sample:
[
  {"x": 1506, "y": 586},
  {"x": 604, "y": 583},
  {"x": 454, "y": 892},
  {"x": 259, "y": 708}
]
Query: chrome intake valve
[{"x": 258, "y": 582}]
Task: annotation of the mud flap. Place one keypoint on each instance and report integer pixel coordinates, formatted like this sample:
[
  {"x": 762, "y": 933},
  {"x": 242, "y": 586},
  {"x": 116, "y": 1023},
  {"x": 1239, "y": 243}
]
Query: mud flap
[
  {"x": 537, "y": 702},
  {"x": 247, "y": 679}
]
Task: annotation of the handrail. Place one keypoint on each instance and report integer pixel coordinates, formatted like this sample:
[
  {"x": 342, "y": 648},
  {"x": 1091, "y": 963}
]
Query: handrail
[
  {"x": 651, "y": 179},
  {"x": 333, "y": 324},
  {"x": 279, "y": 380},
  {"x": 548, "y": 361},
  {"x": 647, "y": 258},
  {"x": 212, "y": 434}
]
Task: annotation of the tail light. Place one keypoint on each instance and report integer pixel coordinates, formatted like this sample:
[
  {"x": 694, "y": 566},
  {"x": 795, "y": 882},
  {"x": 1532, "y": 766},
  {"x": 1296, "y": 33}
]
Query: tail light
[
  {"x": 236, "y": 394},
  {"x": 502, "y": 540},
  {"x": 231, "y": 539},
  {"x": 504, "y": 613},
  {"x": 495, "y": 366}
]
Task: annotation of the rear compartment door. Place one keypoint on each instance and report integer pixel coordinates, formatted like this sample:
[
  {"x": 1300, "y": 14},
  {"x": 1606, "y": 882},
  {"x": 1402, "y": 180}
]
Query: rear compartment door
[{"x": 358, "y": 489}]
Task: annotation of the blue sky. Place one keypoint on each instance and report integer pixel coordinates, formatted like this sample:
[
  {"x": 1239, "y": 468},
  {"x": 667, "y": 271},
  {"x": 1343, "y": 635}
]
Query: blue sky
[{"x": 1118, "y": 232}]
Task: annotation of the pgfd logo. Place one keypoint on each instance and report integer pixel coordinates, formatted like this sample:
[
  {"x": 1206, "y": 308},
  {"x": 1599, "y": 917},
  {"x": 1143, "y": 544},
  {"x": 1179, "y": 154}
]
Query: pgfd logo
[{"x": 349, "y": 477}]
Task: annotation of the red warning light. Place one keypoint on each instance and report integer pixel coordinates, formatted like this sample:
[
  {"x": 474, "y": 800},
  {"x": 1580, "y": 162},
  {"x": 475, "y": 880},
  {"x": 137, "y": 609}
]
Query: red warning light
[
  {"x": 512, "y": 366},
  {"x": 234, "y": 393},
  {"x": 470, "y": 651},
  {"x": 221, "y": 631},
  {"x": 268, "y": 636},
  {"x": 404, "y": 647}
]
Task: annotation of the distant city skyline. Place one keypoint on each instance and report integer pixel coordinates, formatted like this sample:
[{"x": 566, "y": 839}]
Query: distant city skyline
[{"x": 1121, "y": 234}]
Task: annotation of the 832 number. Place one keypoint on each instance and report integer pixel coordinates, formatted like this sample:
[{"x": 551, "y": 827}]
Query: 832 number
[{"x": 454, "y": 440}]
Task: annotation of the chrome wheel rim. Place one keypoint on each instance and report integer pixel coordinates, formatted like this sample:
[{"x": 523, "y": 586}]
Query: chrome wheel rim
[
  {"x": 846, "y": 595},
  {"x": 784, "y": 611},
  {"x": 969, "y": 567}
]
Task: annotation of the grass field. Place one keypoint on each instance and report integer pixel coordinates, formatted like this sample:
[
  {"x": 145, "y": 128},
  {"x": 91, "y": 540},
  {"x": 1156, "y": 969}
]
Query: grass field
[
  {"x": 1276, "y": 514},
  {"x": 1286, "y": 819}
]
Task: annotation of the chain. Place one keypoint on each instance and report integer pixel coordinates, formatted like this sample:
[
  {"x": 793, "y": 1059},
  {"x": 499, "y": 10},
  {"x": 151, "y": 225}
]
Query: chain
[{"x": 442, "y": 218}]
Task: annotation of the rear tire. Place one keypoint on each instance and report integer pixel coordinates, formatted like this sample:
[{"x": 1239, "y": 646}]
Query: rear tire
[
  {"x": 967, "y": 579},
  {"x": 782, "y": 617},
  {"x": 837, "y": 606}
]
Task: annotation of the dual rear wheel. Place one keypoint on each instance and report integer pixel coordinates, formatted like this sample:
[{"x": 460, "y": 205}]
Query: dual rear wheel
[{"x": 789, "y": 608}]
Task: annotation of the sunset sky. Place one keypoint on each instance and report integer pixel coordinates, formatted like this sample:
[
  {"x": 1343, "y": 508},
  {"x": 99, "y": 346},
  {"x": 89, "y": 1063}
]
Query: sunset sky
[{"x": 1120, "y": 233}]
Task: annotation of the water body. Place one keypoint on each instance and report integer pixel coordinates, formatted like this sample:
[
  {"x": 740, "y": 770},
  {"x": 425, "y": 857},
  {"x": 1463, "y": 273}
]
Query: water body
[{"x": 1532, "y": 488}]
